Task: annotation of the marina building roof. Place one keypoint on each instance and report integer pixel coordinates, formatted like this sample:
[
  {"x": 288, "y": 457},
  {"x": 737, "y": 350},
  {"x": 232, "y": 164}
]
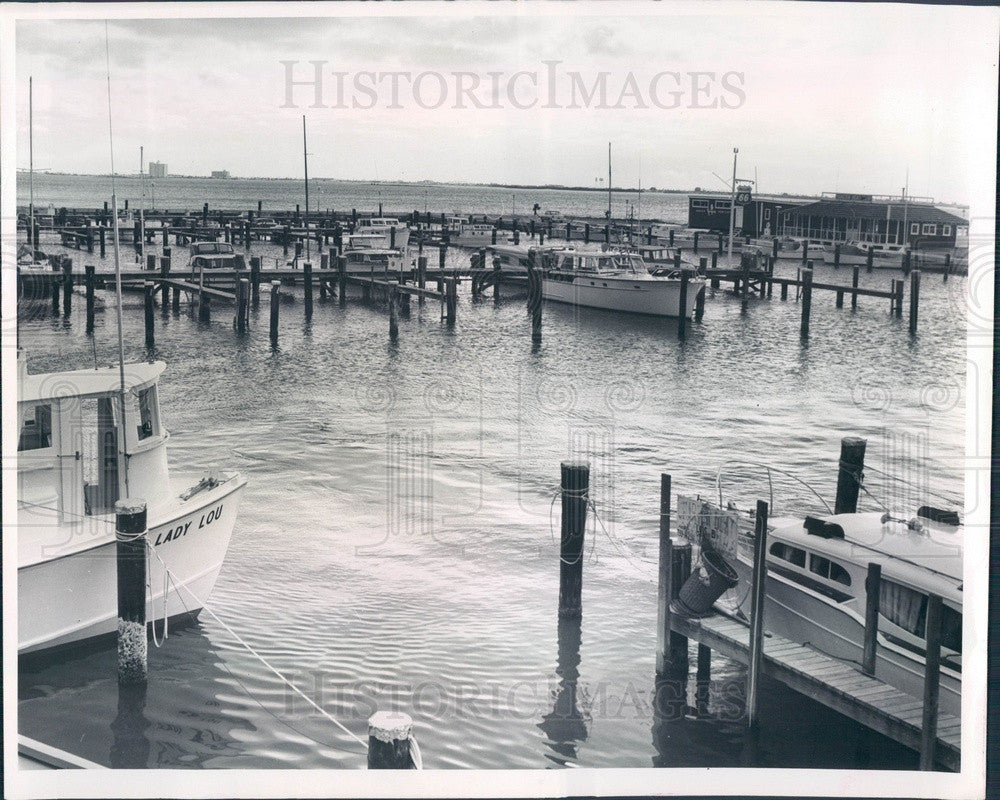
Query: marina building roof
[{"x": 863, "y": 209}]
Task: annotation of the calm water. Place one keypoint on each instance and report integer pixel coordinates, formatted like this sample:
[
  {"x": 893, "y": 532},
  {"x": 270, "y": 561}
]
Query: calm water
[
  {"x": 88, "y": 191},
  {"x": 395, "y": 546}
]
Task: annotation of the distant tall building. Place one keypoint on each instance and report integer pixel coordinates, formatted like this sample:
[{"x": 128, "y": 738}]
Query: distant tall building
[
  {"x": 220, "y": 173},
  {"x": 157, "y": 170}
]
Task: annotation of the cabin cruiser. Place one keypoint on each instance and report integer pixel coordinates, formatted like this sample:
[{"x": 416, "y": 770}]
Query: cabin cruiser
[
  {"x": 816, "y": 595},
  {"x": 615, "y": 280},
  {"x": 884, "y": 256},
  {"x": 366, "y": 254},
  {"x": 213, "y": 255},
  {"x": 88, "y": 438},
  {"x": 392, "y": 232},
  {"x": 788, "y": 247},
  {"x": 471, "y": 234}
]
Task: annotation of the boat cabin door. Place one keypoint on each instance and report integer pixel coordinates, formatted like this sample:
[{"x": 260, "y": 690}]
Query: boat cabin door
[{"x": 89, "y": 455}]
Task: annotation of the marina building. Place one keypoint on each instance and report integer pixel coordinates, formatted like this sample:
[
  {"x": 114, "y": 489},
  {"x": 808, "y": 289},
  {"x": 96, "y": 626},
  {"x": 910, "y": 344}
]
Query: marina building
[
  {"x": 833, "y": 217},
  {"x": 157, "y": 169}
]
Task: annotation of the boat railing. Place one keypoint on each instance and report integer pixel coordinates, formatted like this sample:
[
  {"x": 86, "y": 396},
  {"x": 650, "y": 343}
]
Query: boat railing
[{"x": 770, "y": 481}]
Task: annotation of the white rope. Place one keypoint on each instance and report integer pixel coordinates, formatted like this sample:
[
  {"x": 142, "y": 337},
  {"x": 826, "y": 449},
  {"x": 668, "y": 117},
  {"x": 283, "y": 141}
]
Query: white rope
[{"x": 259, "y": 657}]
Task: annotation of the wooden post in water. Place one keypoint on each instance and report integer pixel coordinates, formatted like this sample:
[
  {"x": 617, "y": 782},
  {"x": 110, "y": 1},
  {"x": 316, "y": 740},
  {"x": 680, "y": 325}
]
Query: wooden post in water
[
  {"x": 575, "y": 487},
  {"x": 147, "y": 290},
  {"x": 55, "y": 293},
  {"x": 421, "y": 275},
  {"x": 496, "y": 281},
  {"x": 242, "y": 305},
  {"x": 175, "y": 306},
  {"x": 255, "y": 280},
  {"x": 90, "y": 241},
  {"x": 130, "y": 556},
  {"x": 873, "y": 588},
  {"x": 900, "y": 284},
  {"x": 757, "y": 594},
  {"x": 914, "y": 299},
  {"x": 805, "y": 251},
  {"x": 680, "y": 569},
  {"x": 393, "y": 314},
  {"x": 342, "y": 278},
  {"x": 204, "y": 312},
  {"x": 89, "y": 270},
  {"x": 535, "y": 298},
  {"x": 807, "y": 279},
  {"x": 389, "y": 741},
  {"x": 451, "y": 300},
  {"x": 307, "y": 288},
  {"x": 681, "y": 315},
  {"x": 836, "y": 256},
  {"x": 840, "y": 298},
  {"x": 854, "y": 285},
  {"x": 275, "y": 301},
  {"x": 699, "y": 304},
  {"x": 664, "y": 587},
  {"x": 67, "y": 287},
  {"x": 850, "y": 474},
  {"x": 932, "y": 682},
  {"x": 947, "y": 267}
]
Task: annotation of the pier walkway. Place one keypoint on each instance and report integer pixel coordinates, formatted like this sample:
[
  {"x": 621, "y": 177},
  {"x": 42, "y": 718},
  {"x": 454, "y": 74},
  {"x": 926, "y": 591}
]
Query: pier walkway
[{"x": 830, "y": 681}]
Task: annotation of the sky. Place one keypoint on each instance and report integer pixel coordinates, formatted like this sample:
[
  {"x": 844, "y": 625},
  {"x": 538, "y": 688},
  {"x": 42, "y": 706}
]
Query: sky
[{"x": 817, "y": 97}]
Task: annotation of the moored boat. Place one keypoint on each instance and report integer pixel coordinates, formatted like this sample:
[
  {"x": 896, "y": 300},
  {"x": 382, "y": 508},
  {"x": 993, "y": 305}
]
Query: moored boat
[{"x": 87, "y": 439}]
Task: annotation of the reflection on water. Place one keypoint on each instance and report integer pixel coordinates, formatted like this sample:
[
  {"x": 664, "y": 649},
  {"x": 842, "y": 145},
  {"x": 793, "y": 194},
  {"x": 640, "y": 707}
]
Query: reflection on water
[{"x": 566, "y": 724}]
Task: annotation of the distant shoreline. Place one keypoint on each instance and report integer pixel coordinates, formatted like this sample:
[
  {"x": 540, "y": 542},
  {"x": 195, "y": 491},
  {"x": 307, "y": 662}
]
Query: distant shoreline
[{"x": 524, "y": 186}]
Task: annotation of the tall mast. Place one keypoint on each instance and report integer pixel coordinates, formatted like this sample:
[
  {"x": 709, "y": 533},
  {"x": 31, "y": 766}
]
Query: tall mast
[
  {"x": 906, "y": 194},
  {"x": 732, "y": 209},
  {"x": 142, "y": 209},
  {"x": 305, "y": 161},
  {"x": 31, "y": 171},
  {"x": 118, "y": 265},
  {"x": 609, "y": 183},
  {"x": 640, "y": 198}
]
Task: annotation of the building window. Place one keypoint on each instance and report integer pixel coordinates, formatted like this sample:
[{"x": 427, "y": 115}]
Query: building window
[
  {"x": 699, "y": 205},
  {"x": 946, "y": 230},
  {"x": 915, "y": 228},
  {"x": 767, "y": 213},
  {"x": 828, "y": 569},
  {"x": 786, "y": 552},
  {"x": 930, "y": 229},
  {"x": 36, "y": 428},
  {"x": 721, "y": 205}
]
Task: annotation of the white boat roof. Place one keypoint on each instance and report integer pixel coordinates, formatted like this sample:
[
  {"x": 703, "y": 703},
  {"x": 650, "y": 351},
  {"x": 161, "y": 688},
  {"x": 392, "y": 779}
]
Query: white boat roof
[
  {"x": 936, "y": 547},
  {"x": 86, "y": 382}
]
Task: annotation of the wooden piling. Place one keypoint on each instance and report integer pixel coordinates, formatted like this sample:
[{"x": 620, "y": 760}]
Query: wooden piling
[
  {"x": 575, "y": 486},
  {"x": 947, "y": 267},
  {"x": 255, "y": 280},
  {"x": 496, "y": 281},
  {"x": 204, "y": 312},
  {"x": 535, "y": 298},
  {"x": 147, "y": 289},
  {"x": 664, "y": 585},
  {"x": 275, "y": 303},
  {"x": 67, "y": 286},
  {"x": 807, "y": 276},
  {"x": 393, "y": 314},
  {"x": 90, "y": 241},
  {"x": 421, "y": 275},
  {"x": 873, "y": 588},
  {"x": 242, "y": 305},
  {"x": 836, "y": 256},
  {"x": 805, "y": 251},
  {"x": 176, "y": 304},
  {"x": 681, "y": 315},
  {"x": 451, "y": 300},
  {"x": 854, "y": 285},
  {"x": 850, "y": 474},
  {"x": 389, "y": 735},
  {"x": 89, "y": 281},
  {"x": 342, "y": 278},
  {"x": 680, "y": 569},
  {"x": 899, "y": 297},
  {"x": 914, "y": 299},
  {"x": 130, "y": 556},
  {"x": 932, "y": 681},
  {"x": 840, "y": 298},
  {"x": 696, "y": 241},
  {"x": 55, "y": 295},
  {"x": 757, "y": 594},
  {"x": 307, "y": 288},
  {"x": 699, "y": 304}
]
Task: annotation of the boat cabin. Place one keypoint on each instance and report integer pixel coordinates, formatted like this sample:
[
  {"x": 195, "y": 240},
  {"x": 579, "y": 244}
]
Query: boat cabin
[
  {"x": 212, "y": 255},
  {"x": 74, "y": 441},
  {"x": 604, "y": 262},
  {"x": 380, "y": 222}
]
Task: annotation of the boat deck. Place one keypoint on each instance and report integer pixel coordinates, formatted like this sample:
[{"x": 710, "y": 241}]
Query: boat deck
[{"x": 838, "y": 685}]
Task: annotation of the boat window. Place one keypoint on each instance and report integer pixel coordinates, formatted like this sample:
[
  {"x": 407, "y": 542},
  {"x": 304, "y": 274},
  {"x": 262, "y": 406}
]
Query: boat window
[
  {"x": 788, "y": 553},
  {"x": 147, "y": 401},
  {"x": 829, "y": 569},
  {"x": 903, "y": 606},
  {"x": 36, "y": 428},
  {"x": 951, "y": 628}
]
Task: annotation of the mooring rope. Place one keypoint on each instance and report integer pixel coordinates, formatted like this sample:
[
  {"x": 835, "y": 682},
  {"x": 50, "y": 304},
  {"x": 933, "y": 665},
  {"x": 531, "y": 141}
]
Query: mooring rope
[{"x": 257, "y": 655}]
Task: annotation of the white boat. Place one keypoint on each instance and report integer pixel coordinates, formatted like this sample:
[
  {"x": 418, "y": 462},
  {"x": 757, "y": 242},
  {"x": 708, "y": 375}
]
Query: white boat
[
  {"x": 375, "y": 261},
  {"x": 884, "y": 256},
  {"x": 213, "y": 255},
  {"x": 77, "y": 455},
  {"x": 617, "y": 281},
  {"x": 392, "y": 232},
  {"x": 788, "y": 247},
  {"x": 815, "y": 590},
  {"x": 471, "y": 234},
  {"x": 31, "y": 260}
]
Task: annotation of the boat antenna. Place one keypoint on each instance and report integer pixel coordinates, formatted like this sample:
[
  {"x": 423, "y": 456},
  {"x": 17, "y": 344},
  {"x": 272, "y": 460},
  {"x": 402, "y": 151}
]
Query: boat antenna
[
  {"x": 118, "y": 265},
  {"x": 31, "y": 171},
  {"x": 640, "y": 197},
  {"x": 609, "y": 183},
  {"x": 305, "y": 160}
]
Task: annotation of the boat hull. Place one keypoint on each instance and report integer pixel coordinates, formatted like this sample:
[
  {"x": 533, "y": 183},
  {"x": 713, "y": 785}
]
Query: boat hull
[
  {"x": 835, "y": 629},
  {"x": 73, "y": 598},
  {"x": 634, "y": 296}
]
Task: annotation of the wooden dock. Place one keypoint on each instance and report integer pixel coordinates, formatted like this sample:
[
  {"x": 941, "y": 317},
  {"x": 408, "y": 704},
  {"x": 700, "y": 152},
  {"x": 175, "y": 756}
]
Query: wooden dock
[{"x": 829, "y": 681}]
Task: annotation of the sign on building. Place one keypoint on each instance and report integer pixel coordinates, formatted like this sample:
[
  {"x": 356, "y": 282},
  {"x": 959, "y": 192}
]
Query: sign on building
[{"x": 742, "y": 194}]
